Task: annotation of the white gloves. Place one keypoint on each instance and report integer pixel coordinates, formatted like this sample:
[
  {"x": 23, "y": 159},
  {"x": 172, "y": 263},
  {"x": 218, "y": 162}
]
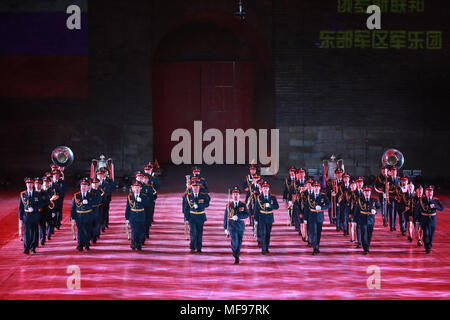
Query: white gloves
[
  {"x": 53, "y": 215},
  {"x": 267, "y": 205},
  {"x": 384, "y": 196},
  {"x": 195, "y": 206},
  {"x": 31, "y": 209},
  {"x": 128, "y": 221},
  {"x": 318, "y": 208},
  {"x": 333, "y": 194},
  {"x": 373, "y": 211},
  {"x": 138, "y": 199},
  {"x": 235, "y": 218},
  {"x": 226, "y": 232},
  {"x": 432, "y": 205},
  {"x": 290, "y": 203}
]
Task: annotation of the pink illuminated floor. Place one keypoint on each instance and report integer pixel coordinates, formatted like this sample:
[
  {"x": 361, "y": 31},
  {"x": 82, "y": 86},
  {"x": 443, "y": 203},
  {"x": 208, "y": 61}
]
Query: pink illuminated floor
[{"x": 165, "y": 269}]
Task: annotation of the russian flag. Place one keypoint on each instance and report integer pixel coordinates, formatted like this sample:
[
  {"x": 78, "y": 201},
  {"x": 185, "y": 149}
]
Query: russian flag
[{"x": 40, "y": 57}]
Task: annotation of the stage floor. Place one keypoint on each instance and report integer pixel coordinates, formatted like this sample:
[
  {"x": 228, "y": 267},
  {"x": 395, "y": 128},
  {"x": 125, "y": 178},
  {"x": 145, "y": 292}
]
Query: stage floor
[{"x": 166, "y": 270}]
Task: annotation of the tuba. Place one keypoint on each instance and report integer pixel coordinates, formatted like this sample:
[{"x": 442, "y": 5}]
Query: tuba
[
  {"x": 62, "y": 156},
  {"x": 392, "y": 158}
]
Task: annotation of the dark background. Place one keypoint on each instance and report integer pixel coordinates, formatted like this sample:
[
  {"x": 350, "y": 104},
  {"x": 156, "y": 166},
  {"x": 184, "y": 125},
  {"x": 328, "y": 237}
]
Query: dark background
[{"x": 354, "y": 103}]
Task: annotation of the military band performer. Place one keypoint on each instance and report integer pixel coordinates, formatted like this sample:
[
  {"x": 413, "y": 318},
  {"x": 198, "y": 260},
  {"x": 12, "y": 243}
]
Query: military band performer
[
  {"x": 316, "y": 203},
  {"x": 380, "y": 189},
  {"x": 149, "y": 191},
  {"x": 335, "y": 193},
  {"x": 265, "y": 204},
  {"x": 82, "y": 212},
  {"x": 365, "y": 210},
  {"x": 289, "y": 187},
  {"x": 392, "y": 206},
  {"x": 252, "y": 193},
  {"x": 135, "y": 215},
  {"x": 426, "y": 210},
  {"x": 405, "y": 199},
  {"x": 194, "y": 212},
  {"x": 416, "y": 216},
  {"x": 29, "y": 216},
  {"x": 249, "y": 178},
  {"x": 300, "y": 188},
  {"x": 61, "y": 188},
  {"x": 352, "y": 221},
  {"x": 153, "y": 181},
  {"x": 108, "y": 186},
  {"x": 153, "y": 178},
  {"x": 97, "y": 219},
  {"x": 297, "y": 211},
  {"x": 235, "y": 214},
  {"x": 303, "y": 215},
  {"x": 49, "y": 212},
  {"x": 359, "y": 192},
  {"x": 402, "y": 215},
  {"x": 344, "y": 202},
  {"x": 43, "y": 212}
]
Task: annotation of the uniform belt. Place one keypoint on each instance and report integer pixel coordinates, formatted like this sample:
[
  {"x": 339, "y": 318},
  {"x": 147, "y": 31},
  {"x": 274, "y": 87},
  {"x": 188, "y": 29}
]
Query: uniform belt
[
  {"x": 137, "y": 210},
  {"x": 427, "y": 214},
  {"x": 195, "y": 212},
  {"x": 366, "y": 212},
  {"x": 84, "y": 211},
  {"x": 266, "y": 212},
  {"x": 28, "y": 210},
  {"x": 314, "y": 210}
]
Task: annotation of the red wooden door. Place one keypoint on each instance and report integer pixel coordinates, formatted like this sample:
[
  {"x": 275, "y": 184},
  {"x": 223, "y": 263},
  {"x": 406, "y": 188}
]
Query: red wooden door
[{"x": 217, "y": 93}]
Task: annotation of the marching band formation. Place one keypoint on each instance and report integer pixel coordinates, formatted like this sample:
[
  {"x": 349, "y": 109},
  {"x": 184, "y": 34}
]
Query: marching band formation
[{"x": 351, "y": 204}]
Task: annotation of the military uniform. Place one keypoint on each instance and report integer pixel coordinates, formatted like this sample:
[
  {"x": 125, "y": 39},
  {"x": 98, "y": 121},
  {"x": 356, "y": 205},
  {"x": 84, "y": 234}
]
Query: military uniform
[
  {"x": 380, "y": 188},
  {"x": 265, "y": 204},
  {"x": 49, "y": 213},
  {"x": 366, "y": 217},
  {"x": 194, "y": 213},
  {"x": 392, "y": 205},
  {"x": 250, "y": 198},
  {"x": 234, "y": 225},
  {"x": 153, "y": 181},
  {"x": 99, "y": 196},
  {"x": 150, "y": 192},
  {"x": 61, "y": 188},
  {"x": 344, "y": 202},
  {"x": 315, "y": 217},
  {"x": 108, "y": 186},
  {"x": 82, "y": 212},
  {"x": 289, "y": 188},
  {"x": 135, "y": 214},
  {"x": 31, "y": 205},
  {"x": 42, "y": 231},
  {"x": 358, "y": 193},
  {"x": 426, "y": 210}
]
